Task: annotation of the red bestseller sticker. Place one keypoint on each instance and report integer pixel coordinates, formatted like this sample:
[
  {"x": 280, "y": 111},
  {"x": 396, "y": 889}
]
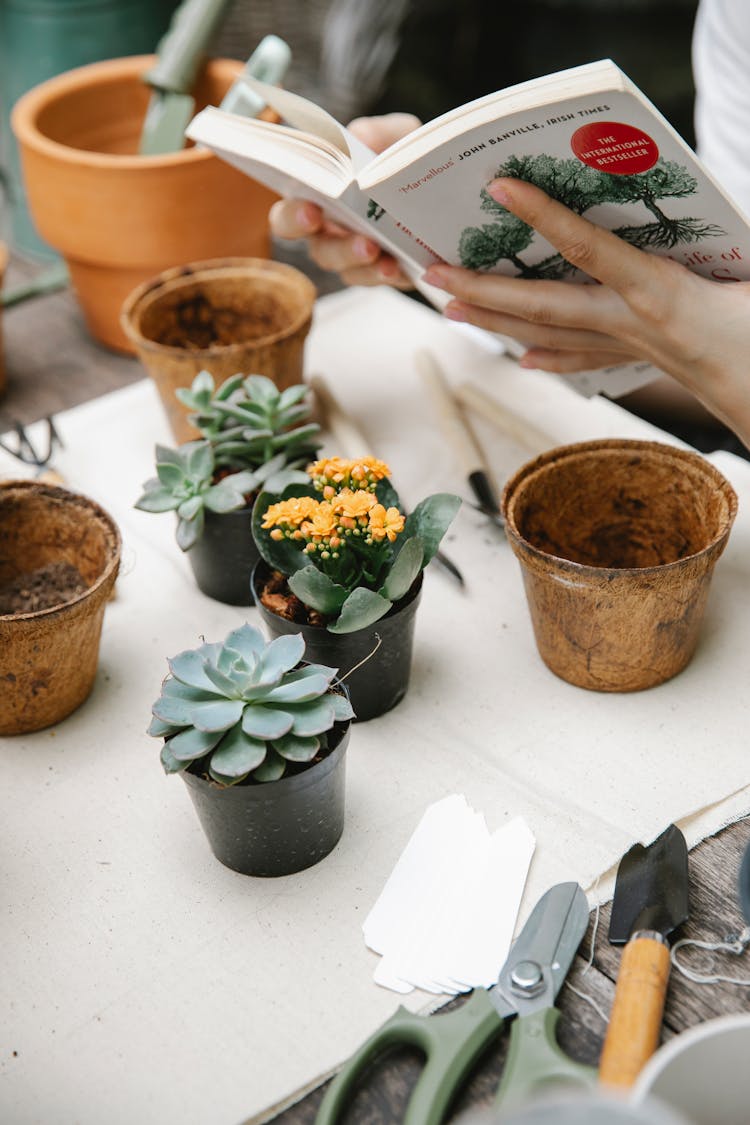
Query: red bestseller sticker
[{"x": 611, "y": 146}]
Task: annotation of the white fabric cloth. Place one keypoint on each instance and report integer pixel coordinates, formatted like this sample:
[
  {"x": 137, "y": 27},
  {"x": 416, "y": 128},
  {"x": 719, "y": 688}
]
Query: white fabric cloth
[
  {"x": 721, "y": 67},
  {"x": 146, "y": 983}
]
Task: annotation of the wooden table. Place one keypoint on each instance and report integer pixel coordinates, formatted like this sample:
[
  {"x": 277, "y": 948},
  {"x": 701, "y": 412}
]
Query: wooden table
[{"x": 52, "y": 364}]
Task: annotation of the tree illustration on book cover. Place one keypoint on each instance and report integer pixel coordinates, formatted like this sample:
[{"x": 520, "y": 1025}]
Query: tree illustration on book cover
[{"x": 580, "y": 188}]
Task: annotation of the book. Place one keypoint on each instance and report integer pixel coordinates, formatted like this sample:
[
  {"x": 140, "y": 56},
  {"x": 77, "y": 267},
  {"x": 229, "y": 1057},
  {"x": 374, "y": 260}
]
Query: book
[{"x": 587, "y": 136}]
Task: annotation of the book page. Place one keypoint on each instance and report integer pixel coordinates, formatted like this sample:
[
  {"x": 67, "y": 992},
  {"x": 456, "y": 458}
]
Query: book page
[{"x": 610, "y": 157}]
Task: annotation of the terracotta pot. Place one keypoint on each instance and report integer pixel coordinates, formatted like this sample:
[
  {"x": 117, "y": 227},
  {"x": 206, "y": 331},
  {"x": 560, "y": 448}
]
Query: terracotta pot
[
  {"x": 117, "y": 217},
  {"x": 48, "y": 658},
  {"x": 3, "y": 266},
  {"x": 245, "y": 315},
  {"x": 617, "y": 542}
]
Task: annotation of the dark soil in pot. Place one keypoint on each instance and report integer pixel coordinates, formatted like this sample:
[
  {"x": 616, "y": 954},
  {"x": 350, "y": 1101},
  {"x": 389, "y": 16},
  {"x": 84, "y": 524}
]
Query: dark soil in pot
[
  {"x": 381, "y": 653},
  {"x": 277, "y": 827},
  {"x": 43, "y": 588}
]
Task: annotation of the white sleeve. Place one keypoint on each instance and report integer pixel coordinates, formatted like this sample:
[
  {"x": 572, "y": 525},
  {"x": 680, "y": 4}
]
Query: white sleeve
[{"x": 721, "y": 67}]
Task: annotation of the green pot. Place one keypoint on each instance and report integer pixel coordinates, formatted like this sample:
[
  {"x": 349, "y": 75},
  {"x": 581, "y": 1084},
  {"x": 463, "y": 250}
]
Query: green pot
[{"x": 42, "y": 38}]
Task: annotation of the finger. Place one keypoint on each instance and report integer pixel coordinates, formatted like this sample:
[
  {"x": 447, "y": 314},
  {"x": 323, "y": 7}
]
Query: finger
[
  {"x": 535, "y": 301},
  {"x": 570, "y": 363},
  {"x": 374, "y": 275},
  {"x": 294, "y": 218},
  {"x": 537, "y": 335},
  {"x": 599, "y": 253},
  {"x": 380, "y": 132},
  {"x": 339, "y": 254}
]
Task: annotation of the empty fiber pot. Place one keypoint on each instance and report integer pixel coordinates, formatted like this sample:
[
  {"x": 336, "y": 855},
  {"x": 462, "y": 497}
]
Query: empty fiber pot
[
  {"x": 118, "y": 217},
  {"x": 617, "y": 542},
  {"x": 227, "y": 316},
  {"x": 48, "y": 657}
]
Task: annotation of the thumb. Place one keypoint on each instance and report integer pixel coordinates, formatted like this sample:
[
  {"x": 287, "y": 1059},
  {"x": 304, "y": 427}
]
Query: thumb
[{"x": 380, "y": 132}]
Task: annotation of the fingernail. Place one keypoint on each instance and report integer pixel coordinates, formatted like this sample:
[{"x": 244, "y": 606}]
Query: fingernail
[
  {"x": 499, "y": 193},
  {"x": 455, "y": 312},
  {"x": 363, "y": 249},
  {"x": 435, "y": 276}
]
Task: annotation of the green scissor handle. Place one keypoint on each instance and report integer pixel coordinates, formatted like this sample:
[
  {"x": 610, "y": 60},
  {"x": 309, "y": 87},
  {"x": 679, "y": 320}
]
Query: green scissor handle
[
  {"x": 450, "y": 1044},
  {"x": 536, "y": 1061}
]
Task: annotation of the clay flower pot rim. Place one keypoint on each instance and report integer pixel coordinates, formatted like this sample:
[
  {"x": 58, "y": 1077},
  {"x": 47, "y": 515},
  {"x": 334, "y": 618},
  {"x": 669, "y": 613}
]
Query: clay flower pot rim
[
  {"x": 151, "y": 290},
  {"x": 82, "y": 502},
  {"x": 30, "y": 105},
  {"x": 625, "y": 445}
]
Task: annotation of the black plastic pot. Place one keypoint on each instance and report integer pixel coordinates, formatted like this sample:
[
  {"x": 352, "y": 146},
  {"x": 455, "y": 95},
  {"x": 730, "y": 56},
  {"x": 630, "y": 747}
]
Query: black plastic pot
[
  {"x": 224, "y": 557},
  {"x": 278, "y": 827},
  {"x": 383, "y": 650}
]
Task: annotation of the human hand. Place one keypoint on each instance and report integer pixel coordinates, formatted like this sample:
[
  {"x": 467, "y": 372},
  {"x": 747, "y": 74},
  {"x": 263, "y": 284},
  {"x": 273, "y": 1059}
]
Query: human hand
[
  {"x": 358, "y": 259},
  {"x": 644, "y": 307}
]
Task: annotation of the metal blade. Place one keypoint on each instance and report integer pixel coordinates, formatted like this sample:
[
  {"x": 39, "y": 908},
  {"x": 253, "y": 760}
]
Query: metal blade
[
  {"x": 543, "y": 952},
  {"x": 651, "y": 891},
  {"x": 744, "y": 884}
]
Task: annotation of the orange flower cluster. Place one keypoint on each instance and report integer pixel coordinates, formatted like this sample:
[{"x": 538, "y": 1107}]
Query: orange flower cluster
[
  {"x": 333, "y": 474},
  {"x": 325, "y": 525}
]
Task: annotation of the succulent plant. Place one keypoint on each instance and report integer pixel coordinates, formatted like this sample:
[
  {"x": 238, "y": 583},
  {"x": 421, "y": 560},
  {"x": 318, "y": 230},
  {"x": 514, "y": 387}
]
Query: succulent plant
[
  {"x": 351, "y": 553},
  {"x": 249, "y": 421},
  {"x": 246, "y": 708},
  {"x": 184, "y": 484}
]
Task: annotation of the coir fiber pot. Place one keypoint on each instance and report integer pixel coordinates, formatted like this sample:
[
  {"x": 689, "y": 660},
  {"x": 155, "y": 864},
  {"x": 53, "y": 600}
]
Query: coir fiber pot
[
  {"x": 48, "y": 658},
  {"x": 617, "y": 542},
  {"x": 381, "y": 654},
  {"x": 3, "y": 266},
  {"x": 118, "y": 217},
  {"x": 224, "y": 557},
  {"x": 277, "y": 827},
  {"x": 243, "y": 315}
]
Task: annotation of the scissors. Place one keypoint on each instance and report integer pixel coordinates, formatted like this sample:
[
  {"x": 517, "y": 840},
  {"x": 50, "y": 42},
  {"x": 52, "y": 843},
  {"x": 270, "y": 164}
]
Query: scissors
[{"x": 526, "y": 988}]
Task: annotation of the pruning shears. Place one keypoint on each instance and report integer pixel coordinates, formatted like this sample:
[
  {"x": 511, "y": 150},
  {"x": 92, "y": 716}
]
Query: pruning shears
[{"x": 526, "y": 989}]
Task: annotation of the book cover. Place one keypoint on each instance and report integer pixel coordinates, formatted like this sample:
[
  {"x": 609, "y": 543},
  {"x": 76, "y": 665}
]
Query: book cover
[{"x": 606, "y": 152}]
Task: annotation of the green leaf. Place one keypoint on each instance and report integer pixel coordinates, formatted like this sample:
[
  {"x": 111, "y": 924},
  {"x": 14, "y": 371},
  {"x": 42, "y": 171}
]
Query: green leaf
[
  {"x": 159, "y": 729},
  {"x": 360, "y": 609},
  {"x": 175, "y": 688},
  {"x": 312, "y": 718},
  {"x": 189, "y": 668},
  {"x": 292, "y": 395},
  {"x": 191, "y": 744},
  {"x": 199, "y": 459},
  {"x": 272, "y": 768},
  {"x": 296, "y": 749},
  {"x": 216, "y": 716},
  {"x": 237, "y": 754},
  {"x": 405, "y": 569},
  {"x": 189, "y": 509},
  {"x": 224, "y": 684},
  {"x": 224, "y": 497},
  {"x": 279, "y": 656},
  {"x": 229, "y": 386},
  {"x": 317, "y": 590},
  {"x": 157, "y": 500},
  {"x": 171, "y": 476},
  {"x": 169, "y": 762},
  {"x": 167, "y": 456},
  {"x": 176, "y": 712},
  {"x": 342, "y": 707},
  {"x": 248, "y": 641},
  {"x": 387, "y": 494},
  {"x": 190, "y": 531},
  {"x": 262, "y": 389},
  {"x": 429, "y": 522},
  {"x": 265, "y": 722},
  {"x": 300, "y": 691}
]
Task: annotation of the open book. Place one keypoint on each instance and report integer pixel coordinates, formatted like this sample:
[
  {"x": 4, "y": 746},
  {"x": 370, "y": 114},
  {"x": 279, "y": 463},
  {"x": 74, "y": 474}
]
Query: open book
[{"x": 587, "y": 136}]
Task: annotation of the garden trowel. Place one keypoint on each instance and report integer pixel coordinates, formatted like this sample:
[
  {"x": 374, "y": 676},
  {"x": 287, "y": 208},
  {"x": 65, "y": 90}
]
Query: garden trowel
[
  {"x": 180, "y": 52},
  {"x": 651, "y": 900}
]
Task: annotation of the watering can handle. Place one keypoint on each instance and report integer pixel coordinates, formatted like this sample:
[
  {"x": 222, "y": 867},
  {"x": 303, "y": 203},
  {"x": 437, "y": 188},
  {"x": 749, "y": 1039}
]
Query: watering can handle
[{"x": 181, "y": 48}]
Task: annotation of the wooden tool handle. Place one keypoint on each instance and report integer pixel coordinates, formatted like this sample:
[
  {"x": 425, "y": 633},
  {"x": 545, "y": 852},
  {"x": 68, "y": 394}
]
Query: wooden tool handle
[
  {"x": 635, "y": 1021},
  {"x": 525, "y": 433},
  {"x": 453, "y": 425},
  {"x": 349, "y": 438}
]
